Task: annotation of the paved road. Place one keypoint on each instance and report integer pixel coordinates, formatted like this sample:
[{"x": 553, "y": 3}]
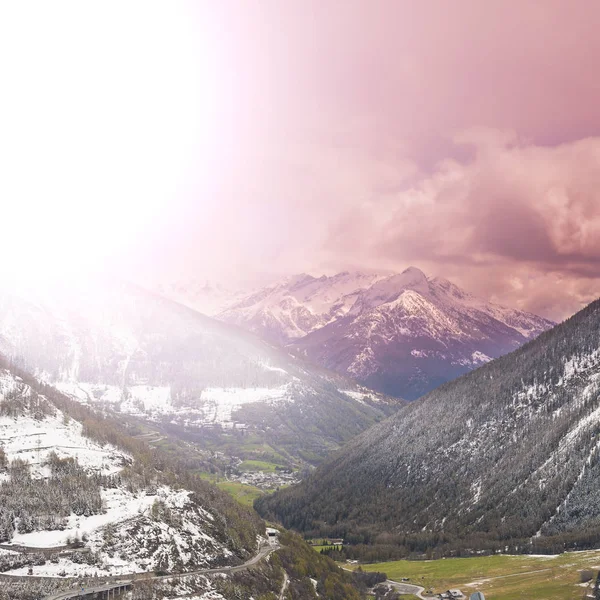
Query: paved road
[
  {"x": 407, "y": 588},
  {"x": 93, "y": 590},
  {"x": 262, "y": 553}
]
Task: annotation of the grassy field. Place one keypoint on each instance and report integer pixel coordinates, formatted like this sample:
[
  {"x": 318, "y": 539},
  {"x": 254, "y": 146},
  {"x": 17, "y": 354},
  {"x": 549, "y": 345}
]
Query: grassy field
[
  {"x": 500, "y": 577},
  {"x": 244, "y": 494},
  {"x": 258, "y": 465}
]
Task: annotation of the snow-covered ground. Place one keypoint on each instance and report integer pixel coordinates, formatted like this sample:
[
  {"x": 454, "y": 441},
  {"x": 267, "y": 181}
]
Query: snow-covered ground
[
  {"x": 221, "y": 403},
  {"x": 216, "y": 405},
  {"x": 135, "y": 399},
  {"x": 135, "y": 541},
  {"x": 361, "y": 396},
  {"x": 33, "y": 439},
  {"x": 120, "y": 505}
]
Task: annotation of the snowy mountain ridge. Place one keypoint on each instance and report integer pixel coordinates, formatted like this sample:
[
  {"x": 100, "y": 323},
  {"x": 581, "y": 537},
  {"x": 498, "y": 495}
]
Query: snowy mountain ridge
[
  {"x": 401, "y": 334},
  {"x": 298, "y": 305}
]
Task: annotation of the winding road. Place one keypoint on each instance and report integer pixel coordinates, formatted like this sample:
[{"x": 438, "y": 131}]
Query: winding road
[{"x": 263, "y": 552}]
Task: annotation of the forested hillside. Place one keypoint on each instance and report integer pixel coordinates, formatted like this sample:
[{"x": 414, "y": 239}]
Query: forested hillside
[
  {"x": 67, "y": 472},
  {"x": 81, "y": 500},
  {"x": 506, "y": 457}
]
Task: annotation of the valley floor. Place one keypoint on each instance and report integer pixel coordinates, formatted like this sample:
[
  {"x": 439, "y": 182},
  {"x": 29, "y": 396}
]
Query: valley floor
[{"x": 500, "y": 577}]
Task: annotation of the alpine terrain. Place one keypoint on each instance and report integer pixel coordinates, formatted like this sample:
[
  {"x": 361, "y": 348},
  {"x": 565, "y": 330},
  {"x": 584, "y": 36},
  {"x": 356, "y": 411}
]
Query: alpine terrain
[
  {"x": 113, "y": 345},
  {"x": 506, "y": 457},
  {"x": 84, "y": 507},
  {"x": 401, "y": 334}
]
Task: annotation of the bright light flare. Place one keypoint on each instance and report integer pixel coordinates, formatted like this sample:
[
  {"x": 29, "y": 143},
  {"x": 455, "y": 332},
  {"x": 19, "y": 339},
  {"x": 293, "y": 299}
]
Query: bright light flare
[{"x": 101, "y": 108}]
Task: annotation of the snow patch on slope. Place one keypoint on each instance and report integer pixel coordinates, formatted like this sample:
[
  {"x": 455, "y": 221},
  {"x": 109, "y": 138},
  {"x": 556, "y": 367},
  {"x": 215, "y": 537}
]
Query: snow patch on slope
[
  {"x": 214, "y": 406},
  {"x": 221, "y": 403},
  {"x": 33, "y": 439},
  {"x": 126, "y": 539},
  {"x": 119, "y": 505}
]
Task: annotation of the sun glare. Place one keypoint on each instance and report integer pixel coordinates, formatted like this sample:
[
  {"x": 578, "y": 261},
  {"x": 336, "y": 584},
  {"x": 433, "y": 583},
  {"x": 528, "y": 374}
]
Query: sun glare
[{"x": 100, "y": 111}]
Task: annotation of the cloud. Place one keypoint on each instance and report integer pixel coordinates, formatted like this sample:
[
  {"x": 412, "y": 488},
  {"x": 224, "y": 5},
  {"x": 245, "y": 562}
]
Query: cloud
[
  {"x": 511, "y": 220},
  {"x": 517, "y": 221},
  {"x": 461, "y": 137}
]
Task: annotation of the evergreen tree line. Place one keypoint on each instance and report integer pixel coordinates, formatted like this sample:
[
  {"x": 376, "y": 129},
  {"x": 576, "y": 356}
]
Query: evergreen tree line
[{"x": 28, "y": 504}]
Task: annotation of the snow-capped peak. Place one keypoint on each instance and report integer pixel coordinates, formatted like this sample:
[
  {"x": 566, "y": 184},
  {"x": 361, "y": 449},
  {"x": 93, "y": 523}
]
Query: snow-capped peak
[
  {"x": 400, "y": 333},
  {"x": 299, "y": 304},
  {"x": 389, "y": 289}
]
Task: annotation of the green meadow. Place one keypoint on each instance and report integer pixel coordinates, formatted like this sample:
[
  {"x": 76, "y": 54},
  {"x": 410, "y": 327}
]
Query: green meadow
[{"x": 500, "y": 577}]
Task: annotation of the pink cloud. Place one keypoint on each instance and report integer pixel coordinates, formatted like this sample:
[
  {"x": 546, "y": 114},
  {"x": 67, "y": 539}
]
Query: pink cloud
[
  {"x": 514, "y": 217},
  {"x": 463, "y": 137}
]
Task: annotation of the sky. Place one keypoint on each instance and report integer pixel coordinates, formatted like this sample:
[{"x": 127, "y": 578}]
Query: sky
[{"x": 240, "y": 141}]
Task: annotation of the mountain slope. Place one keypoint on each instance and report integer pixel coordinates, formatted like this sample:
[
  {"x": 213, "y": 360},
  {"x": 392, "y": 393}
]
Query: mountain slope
[
  {"x": 407, "y": 334},
  {"x": 298, "y": 305},
  {"x": 111, "y": 344},
  {"x": 83, "y": 504},
  {"x": 68, "y": 474},
  {"x": 508, "y": 454},
  {"x": 401, "y": 334}
]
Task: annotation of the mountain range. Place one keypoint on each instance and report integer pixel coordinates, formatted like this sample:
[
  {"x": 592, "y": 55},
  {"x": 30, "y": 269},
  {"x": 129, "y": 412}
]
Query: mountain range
[
  {"x": 401, "y": 334},
  {"x": 506, "y": 458},
  {"x": 111, "y": 344}
]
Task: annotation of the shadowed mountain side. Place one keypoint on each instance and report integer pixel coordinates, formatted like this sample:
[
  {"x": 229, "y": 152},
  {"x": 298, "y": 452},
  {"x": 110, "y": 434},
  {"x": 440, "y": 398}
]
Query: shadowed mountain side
[{"x": 505, "y": 454}]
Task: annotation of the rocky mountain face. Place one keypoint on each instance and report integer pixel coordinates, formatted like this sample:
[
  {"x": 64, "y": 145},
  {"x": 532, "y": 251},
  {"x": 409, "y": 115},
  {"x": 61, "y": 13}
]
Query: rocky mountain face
[
  {"x": 117, "y": 346},
  {"x": 506, "y": 457},
  {"x": 401, "y": 334}
]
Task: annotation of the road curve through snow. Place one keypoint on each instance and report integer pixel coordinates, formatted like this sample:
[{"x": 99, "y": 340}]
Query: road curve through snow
[{"x": 77, "y": 593}]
